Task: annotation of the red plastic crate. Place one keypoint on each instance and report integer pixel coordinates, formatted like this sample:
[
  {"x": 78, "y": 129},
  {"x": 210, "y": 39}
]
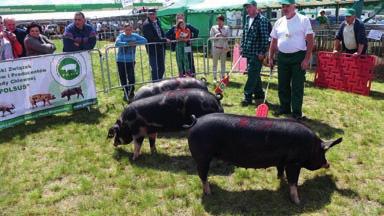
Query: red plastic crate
[{"x": 345, "y": 72}]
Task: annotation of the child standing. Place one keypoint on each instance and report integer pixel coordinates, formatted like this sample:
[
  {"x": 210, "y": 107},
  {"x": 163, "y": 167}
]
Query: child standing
[
  {"x": 127, "y": 42},
  {"x": 183, "y": 48}
]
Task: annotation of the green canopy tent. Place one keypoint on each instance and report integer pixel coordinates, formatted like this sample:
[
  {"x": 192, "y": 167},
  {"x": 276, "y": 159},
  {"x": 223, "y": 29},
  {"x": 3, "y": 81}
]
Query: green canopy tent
[
  {"x": 167, "y": 15},
  {"x": 202, "y": 13}
]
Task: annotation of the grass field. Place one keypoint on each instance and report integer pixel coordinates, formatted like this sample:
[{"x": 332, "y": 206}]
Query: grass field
[{"x": 63, "y": 164}]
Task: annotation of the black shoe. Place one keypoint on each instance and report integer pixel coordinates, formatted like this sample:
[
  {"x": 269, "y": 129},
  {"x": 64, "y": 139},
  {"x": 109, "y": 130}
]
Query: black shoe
[
  {"x": 299, "y": 117},
  {"x": 281, "y": 112},
  {"x": 258, "y": 97},
  {"x": 246, "y": 102}
]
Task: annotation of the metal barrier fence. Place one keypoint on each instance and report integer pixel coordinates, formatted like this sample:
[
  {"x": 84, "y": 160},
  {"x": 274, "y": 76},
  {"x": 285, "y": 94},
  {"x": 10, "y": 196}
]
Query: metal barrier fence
[
  {"x": 324, "y": 41},
  {"x": 143, "y": 73},
  {"x": 215, "y": 51}
]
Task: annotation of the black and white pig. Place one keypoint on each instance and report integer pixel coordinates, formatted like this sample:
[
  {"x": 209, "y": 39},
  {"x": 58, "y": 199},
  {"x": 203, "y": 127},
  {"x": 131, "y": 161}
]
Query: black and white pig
[
  {"x": 166, "y": 112},
  {"x": 167, "y": 85},
  {"x": 252, "y": 142}
]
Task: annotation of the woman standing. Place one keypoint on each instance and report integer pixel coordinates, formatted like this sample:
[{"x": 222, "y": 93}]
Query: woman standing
[
  {"x": 125, "y": 59},
  {"x": 220, "y": 47},
  {"x": 183, "y": 48},
  {"x": 35, "y": 43},
  {"x": 6, "y": 51}
]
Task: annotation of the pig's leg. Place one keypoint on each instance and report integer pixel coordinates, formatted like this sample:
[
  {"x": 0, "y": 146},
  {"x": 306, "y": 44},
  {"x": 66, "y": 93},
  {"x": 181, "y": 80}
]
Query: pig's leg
[
  {"x": 152, "y": 140},
  {"x": 292, "y": 171},
  {"x": 280, "y": 171},
  {"x": 202, "y": 169},
  {"x": 137, "y": 142}
]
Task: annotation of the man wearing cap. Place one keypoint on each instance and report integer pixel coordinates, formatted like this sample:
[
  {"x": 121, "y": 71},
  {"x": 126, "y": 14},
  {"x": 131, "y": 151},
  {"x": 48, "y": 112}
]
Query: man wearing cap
[
  {"x": 153, "y": 32},
  {"x": 254, "y": 45},
  {"x": 292, "y": 37},
  {"x": 352, "y": 35}
]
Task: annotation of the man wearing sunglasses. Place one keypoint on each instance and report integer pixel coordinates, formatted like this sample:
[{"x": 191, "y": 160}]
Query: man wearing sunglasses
[{"x": 292, "y": 38}]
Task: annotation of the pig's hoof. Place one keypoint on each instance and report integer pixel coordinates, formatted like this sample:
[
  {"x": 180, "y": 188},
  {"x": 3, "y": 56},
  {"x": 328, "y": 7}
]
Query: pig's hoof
[
  {"x": 295, "y": 200},
  {"x": 206, "y": 189}
]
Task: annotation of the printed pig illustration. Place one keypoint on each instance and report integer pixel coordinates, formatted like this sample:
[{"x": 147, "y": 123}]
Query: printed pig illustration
[
  {"x": 45, "y": 98},
  {"x": 72, "y": 91},
  {"x": 69, "y": 67},
  {"x": 6, "y": 108}
]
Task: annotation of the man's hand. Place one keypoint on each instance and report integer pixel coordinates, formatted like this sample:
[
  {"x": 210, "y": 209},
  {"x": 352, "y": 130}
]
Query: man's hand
[
  {"x": 11, "y": 37},
  {"x": 167, "y": 40},
  {"x": 270, "y": 62},
  {"x": 305, "y": 64},
  {"x": 356, "y": 54}
]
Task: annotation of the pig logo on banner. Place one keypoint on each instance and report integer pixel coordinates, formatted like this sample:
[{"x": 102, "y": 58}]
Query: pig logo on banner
[{"x": 69, "y": 71}]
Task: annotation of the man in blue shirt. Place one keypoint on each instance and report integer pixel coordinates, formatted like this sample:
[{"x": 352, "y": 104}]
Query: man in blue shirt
[{"x": 79, "y": 35}]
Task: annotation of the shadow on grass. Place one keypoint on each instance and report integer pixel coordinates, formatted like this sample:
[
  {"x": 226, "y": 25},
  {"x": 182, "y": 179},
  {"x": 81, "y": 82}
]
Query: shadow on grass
[
  {"x": 176, "y": 164},
  {"x": 314, "y": 194},
  {"x": 376, "y": 95},
  {"x": 174, "y": 135},
  {"x": 79, "y": 117},
  {"x": 323, "y": 129}
]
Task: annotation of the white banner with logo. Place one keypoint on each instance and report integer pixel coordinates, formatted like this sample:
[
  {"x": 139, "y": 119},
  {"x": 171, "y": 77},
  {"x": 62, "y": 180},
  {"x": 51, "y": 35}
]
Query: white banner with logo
[{"x": 41, "y": 86}]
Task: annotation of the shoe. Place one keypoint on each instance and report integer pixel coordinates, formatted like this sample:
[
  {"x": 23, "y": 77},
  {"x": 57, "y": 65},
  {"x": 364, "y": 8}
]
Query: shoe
[
  {"x": 258, "y": 97},
  {"x": 299, "y": 117},
  {"x": 281, "y": 112},
  {"x": 246, "y": 102}
]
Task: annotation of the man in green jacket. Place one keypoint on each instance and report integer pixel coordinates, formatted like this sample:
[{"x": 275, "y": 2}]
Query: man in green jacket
[{"x": 254, "y": 44}]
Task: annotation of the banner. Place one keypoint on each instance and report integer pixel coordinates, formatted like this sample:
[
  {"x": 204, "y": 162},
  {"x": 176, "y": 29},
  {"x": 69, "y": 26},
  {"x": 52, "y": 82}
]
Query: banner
[{"x": 41, "y": 86}]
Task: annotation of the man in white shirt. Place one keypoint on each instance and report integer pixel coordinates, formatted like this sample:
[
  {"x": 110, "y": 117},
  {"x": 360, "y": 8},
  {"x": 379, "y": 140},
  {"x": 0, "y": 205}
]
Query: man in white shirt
[
  {"x": 292, "y": 37},
  {"x": 351, "y": 35}
]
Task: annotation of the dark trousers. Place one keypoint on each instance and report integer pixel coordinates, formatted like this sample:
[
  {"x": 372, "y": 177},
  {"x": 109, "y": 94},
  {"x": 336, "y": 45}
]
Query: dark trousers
[
  {"x": 253, "y": 84},
  {"x": 127, "y": 71},
  {"x": 156, "y": 54},
  {"x": 291, "y": 80}
]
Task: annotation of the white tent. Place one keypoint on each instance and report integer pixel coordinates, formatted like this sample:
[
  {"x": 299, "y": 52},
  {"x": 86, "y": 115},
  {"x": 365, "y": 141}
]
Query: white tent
[{"x": 69, "y": 15}]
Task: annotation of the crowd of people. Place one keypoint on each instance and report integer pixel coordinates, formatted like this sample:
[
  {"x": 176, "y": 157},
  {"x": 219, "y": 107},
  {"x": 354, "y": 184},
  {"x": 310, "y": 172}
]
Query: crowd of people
[{"x": 291, "y": 39}]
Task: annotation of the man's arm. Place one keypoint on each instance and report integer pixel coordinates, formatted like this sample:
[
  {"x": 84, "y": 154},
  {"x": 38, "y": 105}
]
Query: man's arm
[
  {"x": 361, "y": 38},
  {"x": 264, "y": 36},
  {"x": 69, "y": 44},
  {"x": 194, "y": 31},
  {"x": 170, "y": 34},
  {"x": 338, "y": 39},
  {"x": 272, "y": 50},
  {"x": 308, "y": 54}
]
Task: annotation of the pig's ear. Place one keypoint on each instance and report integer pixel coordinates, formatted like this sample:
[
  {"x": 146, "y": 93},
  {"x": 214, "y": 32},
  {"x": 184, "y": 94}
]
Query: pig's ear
[
  {"x": 113, "y": 130},
  {"x": 329, "y": 144}
]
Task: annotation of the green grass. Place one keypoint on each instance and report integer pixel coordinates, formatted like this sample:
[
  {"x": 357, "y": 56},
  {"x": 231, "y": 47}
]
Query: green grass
[{"x": 63, "y": 164}]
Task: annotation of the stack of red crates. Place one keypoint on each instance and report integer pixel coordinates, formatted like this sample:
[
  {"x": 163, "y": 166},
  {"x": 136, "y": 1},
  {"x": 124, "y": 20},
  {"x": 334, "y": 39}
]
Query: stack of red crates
[{"x": 345, "y": 72}]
